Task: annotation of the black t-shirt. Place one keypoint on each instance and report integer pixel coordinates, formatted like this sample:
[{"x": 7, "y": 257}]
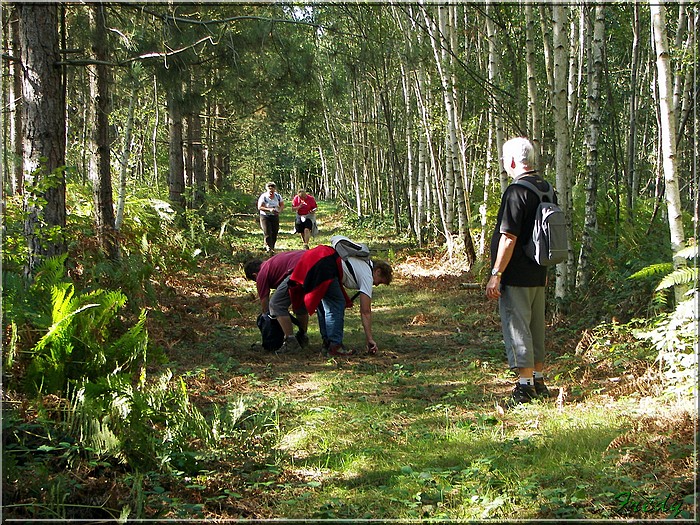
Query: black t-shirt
[{"x": 517, "y": 217}]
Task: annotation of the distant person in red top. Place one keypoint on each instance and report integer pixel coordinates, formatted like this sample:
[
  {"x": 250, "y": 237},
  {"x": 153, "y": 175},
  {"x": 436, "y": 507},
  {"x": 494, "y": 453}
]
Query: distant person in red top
[
  {"x": 273, "y": 274},
  {"x": 304, "y": 205}
]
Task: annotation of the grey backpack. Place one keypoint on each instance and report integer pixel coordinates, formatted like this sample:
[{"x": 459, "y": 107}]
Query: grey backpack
[
  {"x": 347, "y": 248},
  {"x": 548, "y": 245}
]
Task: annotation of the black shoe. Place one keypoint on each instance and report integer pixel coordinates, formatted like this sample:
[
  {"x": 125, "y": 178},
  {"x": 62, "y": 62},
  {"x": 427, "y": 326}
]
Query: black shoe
[
  {"x": 522, "y": 394},
  {"x": 326, "y": 344},
  {"x": 541, "y": 388},
  {"x": 290, "y": 345},
  {"x": 303, "y": 339}
]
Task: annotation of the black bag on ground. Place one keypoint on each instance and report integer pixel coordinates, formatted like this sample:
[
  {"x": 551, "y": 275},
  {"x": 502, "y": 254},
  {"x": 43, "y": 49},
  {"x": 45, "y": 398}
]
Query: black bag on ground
[{"x": 271, "y": 331}]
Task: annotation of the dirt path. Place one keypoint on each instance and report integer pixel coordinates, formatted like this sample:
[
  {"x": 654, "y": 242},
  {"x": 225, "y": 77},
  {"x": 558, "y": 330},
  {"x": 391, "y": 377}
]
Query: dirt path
[{"x": 208, "y": 320}]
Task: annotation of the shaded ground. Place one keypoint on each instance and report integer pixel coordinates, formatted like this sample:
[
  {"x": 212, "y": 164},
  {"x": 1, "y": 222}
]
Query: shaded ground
[
  {"x": 433, "y": 317},
  {"x": 205, "y": 318},
  {"x": 211, "y": 321}
]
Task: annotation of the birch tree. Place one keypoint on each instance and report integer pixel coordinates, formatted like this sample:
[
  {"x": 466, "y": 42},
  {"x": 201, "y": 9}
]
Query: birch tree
[
  {"x": 533, "y": 102},
  {"x": 561, "y": 131},
  {"x": 595, "y": 74},
  {"x": 668, "y": 133},
  {"x": 632, "y": 177}
]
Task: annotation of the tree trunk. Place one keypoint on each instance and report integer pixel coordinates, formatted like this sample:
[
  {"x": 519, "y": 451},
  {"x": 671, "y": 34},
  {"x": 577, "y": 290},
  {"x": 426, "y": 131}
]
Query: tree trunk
[
  {"x": 561, "y": 131},
  {"x": 126, "y": 152},
  {"x": 176, "y": 163},
  {"x": 100, "y": 162},
  {"x": 197, "y": 148},
  {"x": 44, "y": 128},
  {"x": 532, "y": 96},
  {"x": 632, "y": 188},
  {"x": 494, "y": 142},
  {"x": 15, "y": 103},
  {"x": 595, "y": 75},
  {"x": 668, "y": 134}
]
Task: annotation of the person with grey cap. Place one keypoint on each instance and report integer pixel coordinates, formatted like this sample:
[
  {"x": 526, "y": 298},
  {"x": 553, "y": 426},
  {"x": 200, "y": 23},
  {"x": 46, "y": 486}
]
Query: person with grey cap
[{"x": 270, "y": 204}]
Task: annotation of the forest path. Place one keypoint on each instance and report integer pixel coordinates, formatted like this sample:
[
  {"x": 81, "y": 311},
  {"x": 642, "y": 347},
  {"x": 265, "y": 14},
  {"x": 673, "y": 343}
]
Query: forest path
[{"x": 432, "y": 316}]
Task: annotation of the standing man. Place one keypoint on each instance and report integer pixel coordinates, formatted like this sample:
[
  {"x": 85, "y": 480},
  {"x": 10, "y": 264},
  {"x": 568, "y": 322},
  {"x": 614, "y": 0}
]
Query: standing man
[
  {"x": 517, "y": 281},
  {"x": 270, "y": 204},
  {"x": 304, "y": 205},
  {"x": 318, "y": 282},
  {"x": 273, "y": 274}
]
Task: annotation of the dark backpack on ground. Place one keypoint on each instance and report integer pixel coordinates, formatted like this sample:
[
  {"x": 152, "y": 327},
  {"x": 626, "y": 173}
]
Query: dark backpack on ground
[
  {"x": 548, "y": 245},
  {"x": 271, "y": 331}
]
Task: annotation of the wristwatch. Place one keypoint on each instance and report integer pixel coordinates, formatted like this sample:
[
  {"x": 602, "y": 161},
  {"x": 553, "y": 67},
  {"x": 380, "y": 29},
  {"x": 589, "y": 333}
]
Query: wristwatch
[{"x": 496, "y": 273}]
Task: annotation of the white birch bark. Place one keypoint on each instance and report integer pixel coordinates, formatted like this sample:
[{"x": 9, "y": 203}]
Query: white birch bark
[
  {"x": 124, "y": 164},
  {"x": 532, "y": 97},
  {"x": 632, "y": 179},
  {"x": 668, "y": 132},
  {"x": 595, "y": 76},
  {"x": 561, "y": 131}
]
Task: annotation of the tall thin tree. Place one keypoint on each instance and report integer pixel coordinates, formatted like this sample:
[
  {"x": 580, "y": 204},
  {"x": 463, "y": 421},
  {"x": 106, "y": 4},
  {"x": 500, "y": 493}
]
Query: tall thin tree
[
  {"x": 100, "y": 167},
  {"x": 668, "y": 133}
]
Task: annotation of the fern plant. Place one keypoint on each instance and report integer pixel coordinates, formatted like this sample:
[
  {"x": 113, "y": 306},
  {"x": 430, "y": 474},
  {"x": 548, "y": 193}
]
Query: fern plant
[
  {"x": 82, "y": 336},
  {"x": 675, "y": 334},
  {"x": 149, "y": 424}
]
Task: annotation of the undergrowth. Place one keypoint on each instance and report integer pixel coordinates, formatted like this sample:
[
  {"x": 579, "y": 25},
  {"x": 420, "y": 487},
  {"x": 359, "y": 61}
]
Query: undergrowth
[{"x": 136, "y": 390}]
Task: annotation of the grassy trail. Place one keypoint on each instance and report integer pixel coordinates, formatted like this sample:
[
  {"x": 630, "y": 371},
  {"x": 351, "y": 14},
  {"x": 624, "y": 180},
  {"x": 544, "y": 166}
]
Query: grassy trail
[{"x": 418, "y": 430}]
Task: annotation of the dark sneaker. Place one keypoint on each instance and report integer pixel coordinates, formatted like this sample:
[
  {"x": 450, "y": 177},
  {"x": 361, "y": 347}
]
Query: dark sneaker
[
  {"x": 302, "y": 339},
  {"x": 522, "y": 394},
  {"x": 289, "y": 346},
  {"x": 339, "y": 350},
  {"x": 326, "y": 344},
  {"x": 541, "y": 389}
]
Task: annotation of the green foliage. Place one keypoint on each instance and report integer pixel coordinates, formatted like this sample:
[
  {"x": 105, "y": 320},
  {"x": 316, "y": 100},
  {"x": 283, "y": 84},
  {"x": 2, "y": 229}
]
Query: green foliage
[
  {"x": 14, "y": 244},
  {"x": 81, "y": 333},
  {"x": 150, "y": 425},
  {"x": 675, "y": 334}
]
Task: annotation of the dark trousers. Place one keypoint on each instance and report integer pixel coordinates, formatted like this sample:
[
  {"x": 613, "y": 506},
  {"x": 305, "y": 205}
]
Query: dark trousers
[{"x": 270, "y": 225}]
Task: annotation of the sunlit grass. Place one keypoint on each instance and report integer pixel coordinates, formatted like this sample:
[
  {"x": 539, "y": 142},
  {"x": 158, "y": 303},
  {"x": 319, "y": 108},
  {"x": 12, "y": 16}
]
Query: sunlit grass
[{"x": 376, "y": 448}]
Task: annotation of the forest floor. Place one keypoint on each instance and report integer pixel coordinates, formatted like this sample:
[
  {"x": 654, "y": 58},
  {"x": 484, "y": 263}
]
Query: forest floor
[
  {"x": 440, "y": 351},
  {"x": 419, "y": 430}
]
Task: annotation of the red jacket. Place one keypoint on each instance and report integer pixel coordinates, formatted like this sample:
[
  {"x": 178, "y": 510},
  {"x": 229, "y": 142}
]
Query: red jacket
[{"x": 313, "y": 275}]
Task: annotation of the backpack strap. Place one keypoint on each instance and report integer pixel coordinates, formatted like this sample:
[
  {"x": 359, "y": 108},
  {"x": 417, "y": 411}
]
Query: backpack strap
[
  {"x": 352, "y": 272},
  {"x": 541, "y": 194},
  {"x": 354, "y": 276}
]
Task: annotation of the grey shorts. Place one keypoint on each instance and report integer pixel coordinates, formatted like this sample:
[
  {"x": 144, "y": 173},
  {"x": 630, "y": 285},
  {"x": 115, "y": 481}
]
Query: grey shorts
[
  {"x": 281, "y": 301},
  {"x": 523, "y": 324}
]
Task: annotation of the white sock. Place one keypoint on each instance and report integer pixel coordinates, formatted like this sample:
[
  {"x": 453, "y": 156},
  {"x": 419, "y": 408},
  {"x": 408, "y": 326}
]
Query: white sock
[
  {"x": 537, "y": 375},
  {"x": 526, "y": 381}
]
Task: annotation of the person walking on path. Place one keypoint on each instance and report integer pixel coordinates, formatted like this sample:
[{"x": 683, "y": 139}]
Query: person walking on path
[
  {"x": 304, "y": 205},
  {"x": 517, "y": 281},
  {"x": 318, "y": 282},
  {"x": 273, "y": 274},
  {"x": 270, "y": 204}
]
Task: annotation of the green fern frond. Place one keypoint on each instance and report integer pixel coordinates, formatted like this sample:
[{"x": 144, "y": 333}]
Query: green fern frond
[
  {"x": 680, "y": 276},
  {"x": 61, "y": 297},
  {"x": 51, "y": 272},
  {"x": 130, "y": 348},
  {"x": 653, "y": 270},
  {"x": 59, "y": 326},
  {"x": 689, "y": 252}
]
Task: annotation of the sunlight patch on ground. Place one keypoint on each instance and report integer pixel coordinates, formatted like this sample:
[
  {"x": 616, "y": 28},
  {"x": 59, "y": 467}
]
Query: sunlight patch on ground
[
  {"x": 307, "y": 386},
  {"x": 423, "y": 267},
  {"x": 312, "y": 474}
]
